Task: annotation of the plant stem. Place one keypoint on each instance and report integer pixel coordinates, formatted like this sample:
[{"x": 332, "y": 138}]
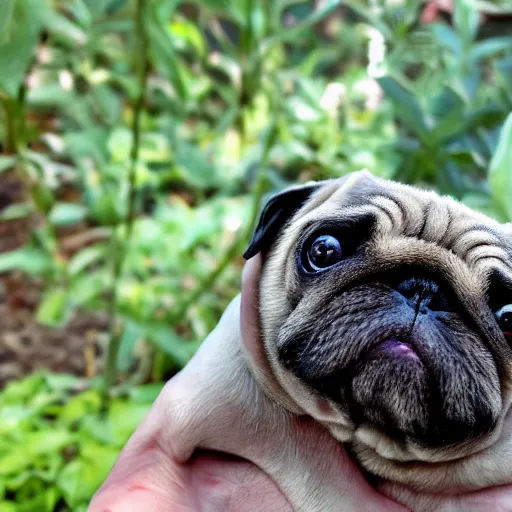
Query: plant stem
[
  {"x": 120, "y": 247},
  {"x": 10, "y": 127}
]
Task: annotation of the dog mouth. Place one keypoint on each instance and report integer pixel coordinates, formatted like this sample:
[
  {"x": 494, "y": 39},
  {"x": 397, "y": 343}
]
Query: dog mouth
[
  {"x": 395, "y": 348},
  {"x": 422, "y": 377}
]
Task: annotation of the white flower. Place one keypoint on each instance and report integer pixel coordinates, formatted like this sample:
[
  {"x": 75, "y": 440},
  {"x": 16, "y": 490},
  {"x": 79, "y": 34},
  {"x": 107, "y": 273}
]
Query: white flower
[
  {"x": 333, "y": 97},
  {"x": 371, "y": 91},
  {"x": 376, "y": 52},
  {"x": 66, "y": 80},
  {"x": 232, "y": 223}
]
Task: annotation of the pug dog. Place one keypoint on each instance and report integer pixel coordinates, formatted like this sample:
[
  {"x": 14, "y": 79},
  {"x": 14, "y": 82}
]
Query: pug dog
[{"x": 386, "y": 316}]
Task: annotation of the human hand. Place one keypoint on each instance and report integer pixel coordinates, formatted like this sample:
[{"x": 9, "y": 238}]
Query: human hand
[{"x": 148, "y": 477}]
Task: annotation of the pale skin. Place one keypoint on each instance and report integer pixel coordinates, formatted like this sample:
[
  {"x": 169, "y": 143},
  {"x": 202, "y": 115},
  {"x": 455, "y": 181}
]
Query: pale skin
[{"x": 148, "y": 477}]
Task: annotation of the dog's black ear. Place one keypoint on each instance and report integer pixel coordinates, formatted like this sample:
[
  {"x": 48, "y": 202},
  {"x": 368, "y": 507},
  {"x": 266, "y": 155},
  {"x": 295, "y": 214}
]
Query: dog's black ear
[{"x": 278, "y": 210}]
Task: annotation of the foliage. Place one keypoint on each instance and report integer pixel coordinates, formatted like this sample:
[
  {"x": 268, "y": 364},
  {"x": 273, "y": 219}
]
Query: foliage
[
  {"x": 56, "y": 447},
  {"x": 151, "y": 129}
]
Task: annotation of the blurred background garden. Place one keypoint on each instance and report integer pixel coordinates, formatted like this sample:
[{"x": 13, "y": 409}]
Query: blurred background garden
[{"x": 138, "y": 140}]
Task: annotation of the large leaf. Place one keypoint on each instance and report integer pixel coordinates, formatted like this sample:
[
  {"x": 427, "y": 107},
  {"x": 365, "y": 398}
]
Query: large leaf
[
  {"x": 165, "y": 58},
  {"x": 6, "y": 19},
  {"x": 500, "y": 170},
  {"x": 28, "y": 260},
  {"x": 16, "y": 211},
  {"x": 6, "y": 163},
  {"x": 21, "y": 28},
  {"x": 66, "y": 214},
  {"x": 53, "y": 309},
  {"x": 172, "y": 344},
  {"x": 466, "y": 18},
  {"x": 82, "y": 477},
  {"x": 406, "y": 105},
  {"x": 35, "y": 444}
]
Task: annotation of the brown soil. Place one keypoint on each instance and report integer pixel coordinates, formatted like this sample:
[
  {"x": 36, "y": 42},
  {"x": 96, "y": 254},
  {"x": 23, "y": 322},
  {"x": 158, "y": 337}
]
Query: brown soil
[{"x": 25, "y": 345}]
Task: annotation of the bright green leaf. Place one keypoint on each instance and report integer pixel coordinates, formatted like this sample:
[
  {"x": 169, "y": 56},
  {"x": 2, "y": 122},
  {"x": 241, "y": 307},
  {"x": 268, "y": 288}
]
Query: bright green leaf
[
  {"x": 500, "y": 170},
  {"x": 34, "y": 444},
  {"x": 66, "y": 214},
  {"x": 81, "y": 405},
  {"x": 147, "y": 393},
  {"x": 466, "y": 19},
  {"x": 8, "y": 10},
  {"x": 16, "y": 211},
  {"x": 82, "y": 477},
  {"x": 6, "y": 163},
  {"x": 28, "y": 260},
  {"x": 174, "y": 345},
  {"x": 19, "y": 42},
  {"x": 85, "y": 258},
  {"x": 53, "y": 309},
  {"x": 8, "y": 506},
  {"x": 186, "y": 34}
]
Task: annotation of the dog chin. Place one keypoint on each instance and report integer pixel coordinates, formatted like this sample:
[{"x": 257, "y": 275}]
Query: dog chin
[{"x": 415, "y": 467}]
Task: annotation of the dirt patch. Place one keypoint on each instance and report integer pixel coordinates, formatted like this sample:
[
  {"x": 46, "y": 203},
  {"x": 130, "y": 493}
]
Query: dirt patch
[{"x": 25, "y": 345}]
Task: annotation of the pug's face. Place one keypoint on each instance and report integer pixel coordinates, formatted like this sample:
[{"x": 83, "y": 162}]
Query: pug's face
[{"x": 386, "y": 314}]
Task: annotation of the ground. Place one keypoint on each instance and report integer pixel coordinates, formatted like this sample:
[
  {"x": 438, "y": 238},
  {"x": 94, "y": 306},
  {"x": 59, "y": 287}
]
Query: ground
[{"x": 25, "y": 345}]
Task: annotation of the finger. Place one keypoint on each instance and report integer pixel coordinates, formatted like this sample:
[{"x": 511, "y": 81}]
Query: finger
[
  {"x": 230, "y": 484},
  {"x": 142, "y": 476},
  {"x": 147, "y": 477}
]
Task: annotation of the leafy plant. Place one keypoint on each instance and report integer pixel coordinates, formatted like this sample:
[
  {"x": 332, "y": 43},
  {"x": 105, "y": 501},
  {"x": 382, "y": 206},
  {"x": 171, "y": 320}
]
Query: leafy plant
[
  {"x": 146, "y": 133},
  {"x": 56, "y": 446}
]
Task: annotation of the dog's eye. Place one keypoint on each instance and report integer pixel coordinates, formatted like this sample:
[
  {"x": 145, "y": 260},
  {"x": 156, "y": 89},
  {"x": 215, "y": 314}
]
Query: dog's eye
[
  {"x": 324, "y": 252},
  {"x": 504, "y": 318}
]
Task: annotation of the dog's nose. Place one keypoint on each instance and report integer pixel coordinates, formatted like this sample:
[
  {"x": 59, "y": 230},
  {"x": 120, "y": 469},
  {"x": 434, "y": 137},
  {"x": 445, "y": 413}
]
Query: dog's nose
[{"x": 424, "y": 294}]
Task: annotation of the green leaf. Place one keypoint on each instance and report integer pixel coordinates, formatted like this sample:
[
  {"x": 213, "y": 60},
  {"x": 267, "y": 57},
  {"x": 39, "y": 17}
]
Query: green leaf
[
  {"x": 88, "y": 286},
  {"x": 62, "y": 381},
  {"x": 466, "y": 19},
  {"x": 63, "y": 28},
  {"x": 446, "y": 37},
  {"x": 119, "y": 144},
  {"x": 86, "y": 257},
  {"x": 44, "y": 501},
  {"x": 19, "y": 42},
  {"x": 173, "y": 345},
  {"x": 5, "y": 21},
  {"x": 97, "y": 7},
  {"x": 82, "y": 477},
  {"x": 491, "y": 46},
  {"x": 296, "y": 31},
  {"x": 186, "y": 34},
  {"x": 53, "y": 309},
  {"x": 215, "y": 4},
  {"x": 146, "y": 393},
  {"x": 17, "y": 211},
  {"x": 80, "y": 406},
  {"x": 67, "y": 214},
  {"x": 8, "y": 506},
  {"x": 28, "y": 260},
  {"x": 35, "y": 444},
  {"x": 6, "y": 163},
  {"x": 125, "y": 416},
  {"x": 132, "y": 333},
  {"x": 20, "y": 391},
  {"x": 500, "y": 170},
  {"x": 406, "y": 105},
  {"x": 165, "y": 58}
]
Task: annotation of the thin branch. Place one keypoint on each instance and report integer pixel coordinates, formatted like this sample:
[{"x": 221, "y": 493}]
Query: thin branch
[{"x": 120, "y": 248}]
